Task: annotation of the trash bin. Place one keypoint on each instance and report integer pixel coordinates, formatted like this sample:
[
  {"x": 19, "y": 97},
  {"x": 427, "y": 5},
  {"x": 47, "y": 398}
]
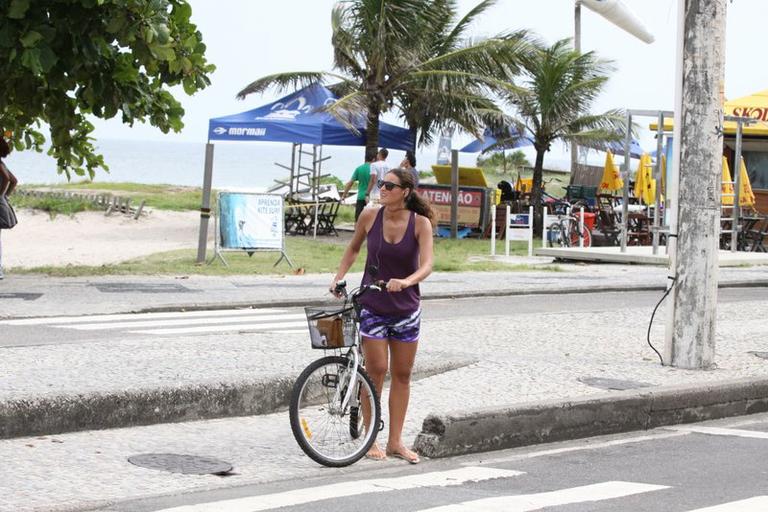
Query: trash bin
[{"x": 589, "y": 219}]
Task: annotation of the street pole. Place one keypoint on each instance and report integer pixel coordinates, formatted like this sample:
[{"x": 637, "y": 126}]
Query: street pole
[
  {"x": 736, "y": 210},
  {"x": 690, "y": 341},
  {"x": 577, "y": 47},
  {"x": 454, "y": 194},
  {"x": 205, "y": 208}
]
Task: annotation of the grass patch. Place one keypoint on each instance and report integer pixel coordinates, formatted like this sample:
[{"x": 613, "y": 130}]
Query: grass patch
[
  {"x": 346, "y": 214},
  {"x": 321, "y": 256},
  {"x": 52, "y": 205},
  {"x": 161, "y": 197}
]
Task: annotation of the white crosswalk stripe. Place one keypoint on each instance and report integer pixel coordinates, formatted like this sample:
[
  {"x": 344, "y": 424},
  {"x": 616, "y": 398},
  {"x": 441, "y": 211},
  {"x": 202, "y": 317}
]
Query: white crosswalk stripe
[
  {"x": 190, "y": 322},
  {"x": 731, "y": 432},
  {"x": 132, "y": 316},
  {"x": 755, "y": 504},
  {"x": 538, "y": 501},
  {"x": 354, "y": 488},
  {"x": 226, "y": 328},
  {"x": 183, "y": 321}
]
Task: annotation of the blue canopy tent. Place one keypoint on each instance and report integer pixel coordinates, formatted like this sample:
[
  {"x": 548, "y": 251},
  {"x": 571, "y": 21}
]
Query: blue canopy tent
[
  {"x": 489, "y": 141},
  {"x": 617, "y": 148},
  {"x": 296, "y": 118}
]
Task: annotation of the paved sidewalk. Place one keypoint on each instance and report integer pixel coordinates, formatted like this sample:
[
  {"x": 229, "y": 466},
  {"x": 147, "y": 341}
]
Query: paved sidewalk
[
  {"x": 541, "y": 356},
  {"x": 33, "y": 295}
]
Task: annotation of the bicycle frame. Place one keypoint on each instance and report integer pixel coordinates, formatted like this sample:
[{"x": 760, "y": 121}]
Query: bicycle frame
[{"x": 354, "y": 350}]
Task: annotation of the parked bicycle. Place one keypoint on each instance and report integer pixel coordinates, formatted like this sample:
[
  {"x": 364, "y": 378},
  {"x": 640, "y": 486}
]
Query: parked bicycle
[
  {"x": 567, "y": 230},
  {"x": 335, "y": 411}
]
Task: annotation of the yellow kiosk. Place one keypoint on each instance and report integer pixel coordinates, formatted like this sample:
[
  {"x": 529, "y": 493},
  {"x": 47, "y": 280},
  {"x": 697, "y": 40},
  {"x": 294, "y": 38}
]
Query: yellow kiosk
[{"x": 754, "y": 145}]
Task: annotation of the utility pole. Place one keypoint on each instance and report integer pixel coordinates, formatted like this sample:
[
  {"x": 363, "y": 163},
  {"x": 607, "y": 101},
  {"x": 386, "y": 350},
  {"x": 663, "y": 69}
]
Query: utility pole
[
  {"x": 695, "y": 215},
  {"x": 577, "y": 47}
]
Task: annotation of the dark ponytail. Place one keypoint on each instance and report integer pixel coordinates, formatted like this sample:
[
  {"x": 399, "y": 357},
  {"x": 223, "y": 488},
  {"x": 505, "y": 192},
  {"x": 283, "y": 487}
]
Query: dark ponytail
[
  {"x": 5, "y": 148},
  {"x": 414, "y": 202}
]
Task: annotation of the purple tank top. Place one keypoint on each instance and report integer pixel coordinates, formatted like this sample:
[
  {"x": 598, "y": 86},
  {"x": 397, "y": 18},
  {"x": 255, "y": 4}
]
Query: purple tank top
[{"x": 397, "y": 261}]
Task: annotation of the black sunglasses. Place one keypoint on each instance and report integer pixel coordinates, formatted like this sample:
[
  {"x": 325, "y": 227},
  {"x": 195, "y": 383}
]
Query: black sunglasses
[{"x": 388, "y": 185}]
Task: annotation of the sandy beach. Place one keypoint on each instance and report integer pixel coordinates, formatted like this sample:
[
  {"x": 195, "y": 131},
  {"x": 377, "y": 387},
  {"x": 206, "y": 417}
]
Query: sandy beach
[{"x": 91, "y": 238}]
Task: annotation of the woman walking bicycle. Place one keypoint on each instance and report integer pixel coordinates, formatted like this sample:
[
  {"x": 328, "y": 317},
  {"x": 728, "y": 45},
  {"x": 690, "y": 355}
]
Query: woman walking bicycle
[{"x": 399, "y": 246}]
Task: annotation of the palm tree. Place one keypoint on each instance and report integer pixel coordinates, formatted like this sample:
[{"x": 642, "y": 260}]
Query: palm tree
[
  {"x": 559, "y": 86},
  {"x": 500, "y": 159},
  {"x": 412, "y": 56}
]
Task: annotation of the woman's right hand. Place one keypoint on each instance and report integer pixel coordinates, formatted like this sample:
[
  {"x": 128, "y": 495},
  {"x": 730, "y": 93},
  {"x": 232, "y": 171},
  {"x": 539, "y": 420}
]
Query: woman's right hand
[{"x": 335, "y": 289}]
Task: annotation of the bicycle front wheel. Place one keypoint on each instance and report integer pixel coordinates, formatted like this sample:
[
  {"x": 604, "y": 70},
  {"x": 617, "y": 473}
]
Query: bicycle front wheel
[
  {"x": 556, "y": 236},
  {"x": 329, "y": 431}
]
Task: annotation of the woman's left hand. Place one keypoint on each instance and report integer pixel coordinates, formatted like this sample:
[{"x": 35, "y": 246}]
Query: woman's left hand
[{"x": 397, "y": 285}]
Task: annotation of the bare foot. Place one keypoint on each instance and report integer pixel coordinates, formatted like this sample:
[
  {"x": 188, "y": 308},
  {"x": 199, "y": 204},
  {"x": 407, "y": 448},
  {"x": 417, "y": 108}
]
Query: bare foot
[
  {"x": 404, "y": 453},
  {"x": 376, "y": 453}
]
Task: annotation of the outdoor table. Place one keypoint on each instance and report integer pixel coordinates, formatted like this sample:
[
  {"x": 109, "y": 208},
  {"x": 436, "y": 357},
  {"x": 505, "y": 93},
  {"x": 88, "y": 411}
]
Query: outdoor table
[
  {"x": 638, "y": 228},
  {"x": 747, "y": 233},
  {"x": 300, "y": 217},
  {"x": 746, "y": 225}
]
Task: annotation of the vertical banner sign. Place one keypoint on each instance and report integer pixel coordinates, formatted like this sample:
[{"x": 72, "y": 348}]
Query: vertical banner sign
[
  {"x": 444, "y": 151},
  {"x": 251, "y": 221}
]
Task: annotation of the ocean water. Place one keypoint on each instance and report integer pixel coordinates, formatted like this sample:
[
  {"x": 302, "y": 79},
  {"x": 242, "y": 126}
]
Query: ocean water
[{"x": 245, "y": 166}]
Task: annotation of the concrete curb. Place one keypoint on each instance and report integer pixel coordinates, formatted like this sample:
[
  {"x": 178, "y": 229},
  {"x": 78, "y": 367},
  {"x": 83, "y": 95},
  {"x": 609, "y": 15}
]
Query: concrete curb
[
  {"x": 484, "y": 430},
  {"x": 70, "y": 413},
  {"x": 757, "y": 283},
  {"x": 95, "y": 411}
]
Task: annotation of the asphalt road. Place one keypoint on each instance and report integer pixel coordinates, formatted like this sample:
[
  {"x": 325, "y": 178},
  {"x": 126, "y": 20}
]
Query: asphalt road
[
  {"x": 53, "y": 333},
  {"x": 677, "y": 469}
]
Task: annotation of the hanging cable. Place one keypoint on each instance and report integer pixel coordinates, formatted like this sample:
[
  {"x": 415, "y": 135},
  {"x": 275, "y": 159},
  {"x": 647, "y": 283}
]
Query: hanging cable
[{"x": 650, "y": 324}]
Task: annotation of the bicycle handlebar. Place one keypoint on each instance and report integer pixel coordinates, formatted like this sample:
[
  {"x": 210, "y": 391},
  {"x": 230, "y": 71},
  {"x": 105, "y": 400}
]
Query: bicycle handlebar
[{"x": 341, "y": 288}]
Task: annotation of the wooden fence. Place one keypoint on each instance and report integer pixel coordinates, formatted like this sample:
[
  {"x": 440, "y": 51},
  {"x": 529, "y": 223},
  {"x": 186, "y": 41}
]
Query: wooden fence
[{"x": 107, "y": 202}]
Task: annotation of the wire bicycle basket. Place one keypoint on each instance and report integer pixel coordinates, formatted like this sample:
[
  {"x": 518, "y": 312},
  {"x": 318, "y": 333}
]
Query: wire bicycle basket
[{"x": 331, "y": 327}]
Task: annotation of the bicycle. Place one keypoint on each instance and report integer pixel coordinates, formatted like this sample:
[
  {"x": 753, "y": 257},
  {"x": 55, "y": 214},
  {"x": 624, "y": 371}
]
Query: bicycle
[
  {"x": 565, "y": 230},
  {"x": 331, "y": 393}
]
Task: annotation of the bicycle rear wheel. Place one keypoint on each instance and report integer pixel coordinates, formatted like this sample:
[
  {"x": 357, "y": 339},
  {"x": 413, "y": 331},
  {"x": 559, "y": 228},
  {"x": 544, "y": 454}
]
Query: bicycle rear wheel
[
  {"x": 329, "y": 434},
  {"x": 574, "y": 236}
]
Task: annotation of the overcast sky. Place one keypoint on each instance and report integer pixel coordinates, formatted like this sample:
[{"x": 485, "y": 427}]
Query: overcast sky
[{"x": 247, "y": 39}]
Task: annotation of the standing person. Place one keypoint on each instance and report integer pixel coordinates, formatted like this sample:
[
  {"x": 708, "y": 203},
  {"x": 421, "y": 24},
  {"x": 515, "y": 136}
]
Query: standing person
[
  {"x": 378, "y": 169},
  {"x": 399, "y": 246},
  {"x": 7, "y": 185},
  {"x": 362, "y": 176},
  {"x": 409, "y": 164}
]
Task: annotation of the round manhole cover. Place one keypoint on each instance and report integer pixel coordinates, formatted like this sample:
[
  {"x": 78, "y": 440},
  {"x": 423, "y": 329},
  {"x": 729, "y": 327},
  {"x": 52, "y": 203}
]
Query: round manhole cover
[{"x": 186, "y": 464}]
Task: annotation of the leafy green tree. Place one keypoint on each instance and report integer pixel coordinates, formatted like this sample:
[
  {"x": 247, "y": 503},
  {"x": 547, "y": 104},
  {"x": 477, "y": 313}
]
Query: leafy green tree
[
  {"x": 413, "y": 56},
  {"x": 558, "y": 88},
  {"x": 500, "y": 160},
  {"x": 62, "y": 61}
]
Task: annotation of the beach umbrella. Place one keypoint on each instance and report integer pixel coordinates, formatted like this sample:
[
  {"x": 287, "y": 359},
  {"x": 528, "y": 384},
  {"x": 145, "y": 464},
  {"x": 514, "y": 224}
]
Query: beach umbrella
[
  {"x": 727, "y": 185},
  {"x": 611, "y": 179},
  {"x": 523, "y": 185},
  {"x": 746, "y": 195},
  {"x": 645, "y": 184}
]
